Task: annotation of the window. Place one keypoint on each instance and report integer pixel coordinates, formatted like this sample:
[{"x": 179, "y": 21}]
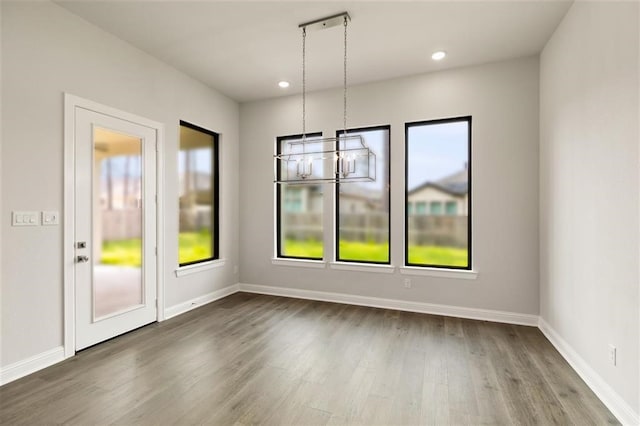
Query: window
[
  {"x": 451, "y": 208},
  {"x": 438, "y": 172},
  {"x": 421, "y": 207},
  {"x": 293, "y": 200},
  {"x": 435, "y": 208},
  {"x": 198, "y": 192},
  {"x": 299, "y": 214},
  {"x": 362, "y": 208}
]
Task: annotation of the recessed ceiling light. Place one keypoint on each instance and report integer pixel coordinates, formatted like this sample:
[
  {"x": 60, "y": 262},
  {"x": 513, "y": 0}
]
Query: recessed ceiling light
[
  {"x": 440, "y": 54},
  {"x": 283, "y": 84}
]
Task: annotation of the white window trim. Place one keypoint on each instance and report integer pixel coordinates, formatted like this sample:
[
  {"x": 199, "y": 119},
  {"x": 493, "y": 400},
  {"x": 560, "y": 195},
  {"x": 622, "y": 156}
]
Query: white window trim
[
  {"x": 303, "y": 263},
  {"x": 181, "y": 271},
  {"x": 363, "y": 267},
  {"x": 439, "y": 272}
]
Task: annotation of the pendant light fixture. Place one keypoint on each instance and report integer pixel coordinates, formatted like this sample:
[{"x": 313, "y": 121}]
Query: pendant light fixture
[{"x": 313, "y": 160}]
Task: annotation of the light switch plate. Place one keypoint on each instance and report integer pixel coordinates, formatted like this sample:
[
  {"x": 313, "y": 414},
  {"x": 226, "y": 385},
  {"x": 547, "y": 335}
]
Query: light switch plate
[
  {"x": 50, "y": 218},
  {"x": 23, "y": 218}
]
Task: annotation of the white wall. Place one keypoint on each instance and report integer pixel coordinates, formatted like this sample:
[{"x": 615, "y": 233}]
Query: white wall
[
  {"x": 1, "y": 96},
  {"x": 47, "y": 51},
  {"x": 589, "y": 215},
  {"x": 503, "y": 100}
]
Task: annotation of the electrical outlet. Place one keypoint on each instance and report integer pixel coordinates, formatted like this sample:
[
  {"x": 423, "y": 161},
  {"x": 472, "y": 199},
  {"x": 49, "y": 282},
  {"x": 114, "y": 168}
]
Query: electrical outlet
[
  {"x": 612, "y": 354},
  {"x": 407, "y": 283}
]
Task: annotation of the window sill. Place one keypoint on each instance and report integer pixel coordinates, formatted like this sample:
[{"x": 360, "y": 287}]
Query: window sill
[
  {"x": 303, "y": 263},
  {"x": 363, "y": 267},
  {"x": 199, "y": 267},
  {"x": 441, "y": 273}
]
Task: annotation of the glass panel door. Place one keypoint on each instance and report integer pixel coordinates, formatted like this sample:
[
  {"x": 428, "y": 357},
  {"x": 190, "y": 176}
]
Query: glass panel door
[
  {"x": 115, "y": 274},
  {"x": 117, "y": 223}
]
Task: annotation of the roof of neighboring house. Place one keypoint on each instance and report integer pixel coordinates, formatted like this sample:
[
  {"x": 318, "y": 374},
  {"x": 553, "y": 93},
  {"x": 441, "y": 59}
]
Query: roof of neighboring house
[
  {"x": 351, "y": 190},
  {"x": 354, "y": 190},
  {"x": 454, "y": 184}
]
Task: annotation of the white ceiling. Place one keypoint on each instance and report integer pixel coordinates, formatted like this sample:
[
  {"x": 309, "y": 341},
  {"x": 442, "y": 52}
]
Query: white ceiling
[{"x": 243, "y": 48}]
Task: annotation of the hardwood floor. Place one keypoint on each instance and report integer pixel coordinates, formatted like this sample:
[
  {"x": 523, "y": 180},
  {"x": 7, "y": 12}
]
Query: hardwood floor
[{"x": 261, "y": 359}]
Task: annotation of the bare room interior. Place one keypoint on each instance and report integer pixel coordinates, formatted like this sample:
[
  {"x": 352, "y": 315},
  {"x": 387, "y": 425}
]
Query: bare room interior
[{"x": 323, "y": 212}]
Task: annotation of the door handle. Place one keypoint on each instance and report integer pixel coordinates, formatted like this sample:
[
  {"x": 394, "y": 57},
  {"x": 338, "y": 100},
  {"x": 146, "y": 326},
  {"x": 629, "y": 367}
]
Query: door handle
[{"x": 82, "y": 259}]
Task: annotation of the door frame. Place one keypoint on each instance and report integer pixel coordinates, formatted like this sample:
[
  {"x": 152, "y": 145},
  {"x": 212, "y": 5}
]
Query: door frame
[{"x": 71, "y": 103}]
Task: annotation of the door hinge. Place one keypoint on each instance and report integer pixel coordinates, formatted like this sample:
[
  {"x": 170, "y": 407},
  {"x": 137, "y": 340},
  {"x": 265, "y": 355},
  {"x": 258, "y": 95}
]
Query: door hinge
[
  {"x": 156, "y": 303},
  {"x": 156, "y": 250}
]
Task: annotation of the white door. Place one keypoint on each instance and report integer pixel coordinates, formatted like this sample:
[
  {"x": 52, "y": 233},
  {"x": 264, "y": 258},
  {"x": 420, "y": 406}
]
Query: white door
[{"x": 115, "y": 226}]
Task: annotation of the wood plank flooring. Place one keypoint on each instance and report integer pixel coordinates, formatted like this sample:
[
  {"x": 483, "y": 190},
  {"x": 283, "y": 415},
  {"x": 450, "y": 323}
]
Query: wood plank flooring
[{"x": 250, "y": 359}]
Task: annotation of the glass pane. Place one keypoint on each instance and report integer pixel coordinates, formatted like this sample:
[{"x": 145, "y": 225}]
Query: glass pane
[
  {"x": 438, "y": 184},
  {"x": 196, "y": 192},
  {"x": 451, "y": 208},
  {"x": 117, "y": 224},
  {"x": 363, "y": 208},
  {"x": 436, "y": 208},
  {"x": 300, "y": 222}
]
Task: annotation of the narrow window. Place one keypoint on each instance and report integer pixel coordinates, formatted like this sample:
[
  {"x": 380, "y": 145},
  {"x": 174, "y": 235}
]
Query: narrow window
[
  {"x": 362, "y": 208},
  {"x": 451, "y": 208},
  {"x": 438, "y": 173},
  {"x": 421, "y": 207},
  {"x": 299, "y": 207},
  {"x": 198, "y": 195},
  {"x": 435, "y": 208},
  {"x": 293, "y": 200}
]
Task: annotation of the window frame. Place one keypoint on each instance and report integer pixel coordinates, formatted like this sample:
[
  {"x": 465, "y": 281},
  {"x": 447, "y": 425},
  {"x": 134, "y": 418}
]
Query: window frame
[
  {"x": 279, "y": 198},
  {"x": 336, "y": 255},
  {"x": 407, "y": 126},
  {"x": 215, "y": 199}
]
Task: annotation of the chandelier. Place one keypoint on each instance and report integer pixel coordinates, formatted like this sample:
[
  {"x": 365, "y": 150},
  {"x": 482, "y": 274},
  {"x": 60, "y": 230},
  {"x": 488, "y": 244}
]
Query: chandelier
[{"x": 312, "y": 160}]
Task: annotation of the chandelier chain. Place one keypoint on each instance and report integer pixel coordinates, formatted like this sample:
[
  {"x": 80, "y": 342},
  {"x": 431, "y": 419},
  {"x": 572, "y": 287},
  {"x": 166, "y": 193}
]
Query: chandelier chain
[
  {"x": 344, "y": 118},
  {"x": 304, "y": 84}
]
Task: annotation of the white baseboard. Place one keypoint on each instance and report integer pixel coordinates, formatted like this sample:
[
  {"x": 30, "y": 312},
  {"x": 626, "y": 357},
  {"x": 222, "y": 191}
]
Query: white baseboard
[
  {"x": 618, "y": 407},
  {"x": 623, "y": 412},
  {"x": 30, "y": 365},
  {"x": 183, "y": 307},
  {"x": 400, "y": 305}
]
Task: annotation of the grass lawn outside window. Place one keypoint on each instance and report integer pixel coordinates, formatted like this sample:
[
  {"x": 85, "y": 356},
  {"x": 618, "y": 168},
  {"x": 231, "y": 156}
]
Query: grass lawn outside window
[
  {"x": 193, "y": 246},
  {"x": 198, "y": 245},
  {"x": 372, "y": 252}
]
